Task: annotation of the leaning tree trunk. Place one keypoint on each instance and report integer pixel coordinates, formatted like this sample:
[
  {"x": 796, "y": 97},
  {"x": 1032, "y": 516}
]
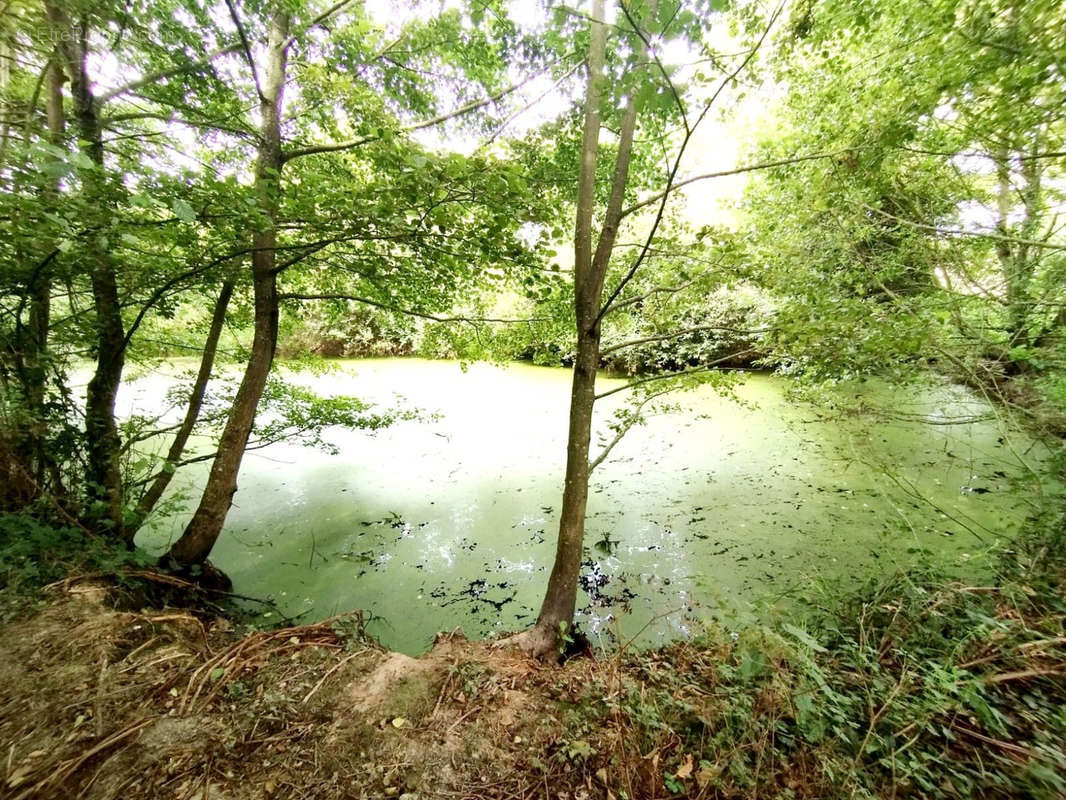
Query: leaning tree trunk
[
  {"x": 103, "y": 444},
  {"x": 192, "y": 411},
  {"x": 194, "y": 545}
]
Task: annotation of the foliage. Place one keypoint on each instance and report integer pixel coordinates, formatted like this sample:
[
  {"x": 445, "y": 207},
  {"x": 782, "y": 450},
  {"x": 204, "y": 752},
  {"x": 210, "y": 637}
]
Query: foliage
[
  {"x": 912, "y": 685},
  {"x": 295, "y": 413},
  {"x": 926, "y": 231},
  {"x": 33, "y": 554},
  {"x": 126, "y": 208},
  {"x": 354, "y": 333}
]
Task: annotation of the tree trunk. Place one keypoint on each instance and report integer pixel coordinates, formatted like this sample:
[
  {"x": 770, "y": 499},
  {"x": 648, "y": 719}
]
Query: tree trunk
[
  {"x": 34, "y": 455},
  {"x": 192, "y": 411},
  {"x": 194, "y": 545},
  {"x": 1017, "y": 261},
  {"x": 104, "y": 444},
  {"x": 104, "y": 476},
  {"x": 590, "y": 271},
  {"x": 1026, "y": 258},
  {"x": 1008, "y": 258},
  {"x": 560, "y": 598}
]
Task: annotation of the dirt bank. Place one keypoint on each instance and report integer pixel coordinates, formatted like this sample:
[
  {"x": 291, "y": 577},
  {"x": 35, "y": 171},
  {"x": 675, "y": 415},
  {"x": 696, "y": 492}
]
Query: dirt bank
[
  {"x": 916, "y": 688},
  {"x": 102, "y": 703}
]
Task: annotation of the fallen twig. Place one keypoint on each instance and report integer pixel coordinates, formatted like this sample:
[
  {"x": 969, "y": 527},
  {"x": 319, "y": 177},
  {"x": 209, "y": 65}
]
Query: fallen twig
[{"x": 329, "y": 672}]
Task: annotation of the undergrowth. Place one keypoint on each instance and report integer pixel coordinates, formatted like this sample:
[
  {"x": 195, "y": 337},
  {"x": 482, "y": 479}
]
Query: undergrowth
[
  {"x": 35, "y": 553},
  {"x": 914, "y": 686}
]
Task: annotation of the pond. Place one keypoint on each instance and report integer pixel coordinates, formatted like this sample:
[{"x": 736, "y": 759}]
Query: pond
[{"x": 714, "y": 512}]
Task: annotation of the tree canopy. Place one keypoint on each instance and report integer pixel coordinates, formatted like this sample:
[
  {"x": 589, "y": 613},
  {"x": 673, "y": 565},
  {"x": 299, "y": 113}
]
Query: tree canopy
[{"x": 496, "y": 180}]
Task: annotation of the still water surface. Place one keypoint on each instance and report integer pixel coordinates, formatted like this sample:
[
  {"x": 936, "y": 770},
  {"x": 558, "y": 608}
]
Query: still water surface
[{"x": 715, "y": 512}]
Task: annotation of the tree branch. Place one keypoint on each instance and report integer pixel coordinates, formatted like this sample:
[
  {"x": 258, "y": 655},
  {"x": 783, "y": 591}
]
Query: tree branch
[
  {"x": 503, "y": 125},
  {"x": 473, "y": 105},
  {"x": 159, "y": 75},
  {"x": 329, "y": 12},
  {"x": 662, "y": 69},
  {"x": 1035, "y": 156},
  {"x": 657, "y": 290},
  {"x": 677, "y": 165},
  {"x": 738, "y": 171},
  {"x": 247, "y": 49},
  {"x": 667, "y": 375},
  {"x": 676, "y": 334},
  {"x": 625, "y": 427},
  {"x": 957, "y": 232},
  {"x": 159, "y": 293},
  {"x": 107, "y": 122},
  {"x": 407, "y": 311}
]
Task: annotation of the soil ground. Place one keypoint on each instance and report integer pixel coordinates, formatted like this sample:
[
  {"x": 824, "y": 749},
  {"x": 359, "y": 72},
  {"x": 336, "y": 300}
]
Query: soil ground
[
  {"x": 916, "y": 690},
  {"x": 103, "y": 703}
]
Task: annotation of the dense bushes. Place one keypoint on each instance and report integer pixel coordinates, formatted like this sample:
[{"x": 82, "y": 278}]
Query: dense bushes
[
  {"x": 912, "y": 686},
  {"x": 361, "y": 333},
  {"x": 726, "y": 327},
  {"x": 34, "y": 553}
]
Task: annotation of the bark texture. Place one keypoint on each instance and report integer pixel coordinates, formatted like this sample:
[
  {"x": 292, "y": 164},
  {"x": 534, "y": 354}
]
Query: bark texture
[
  {"x": 194, "y": 545},
  {"x": 590, "y": 271},
  {"x": 103, "y": 443}
]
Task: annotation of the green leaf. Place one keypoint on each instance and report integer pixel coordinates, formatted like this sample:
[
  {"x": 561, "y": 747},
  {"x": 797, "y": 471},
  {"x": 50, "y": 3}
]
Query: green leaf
[
  {"x": 183, "y": 210},
  {"x": 804, "y": 637}
]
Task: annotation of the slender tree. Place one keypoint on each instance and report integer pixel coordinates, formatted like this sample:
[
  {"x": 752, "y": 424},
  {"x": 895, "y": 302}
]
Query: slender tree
[
  {"x": 197, "y": 393},
  {"x": 104, "y": 475},
  {"x": 34, "y": 455},
  {"x": 443, "y": 194},
  {"x": 590, "y": 271},
  {"x": 206, "y": 524},
  {"x": 596, "y": 250}
]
